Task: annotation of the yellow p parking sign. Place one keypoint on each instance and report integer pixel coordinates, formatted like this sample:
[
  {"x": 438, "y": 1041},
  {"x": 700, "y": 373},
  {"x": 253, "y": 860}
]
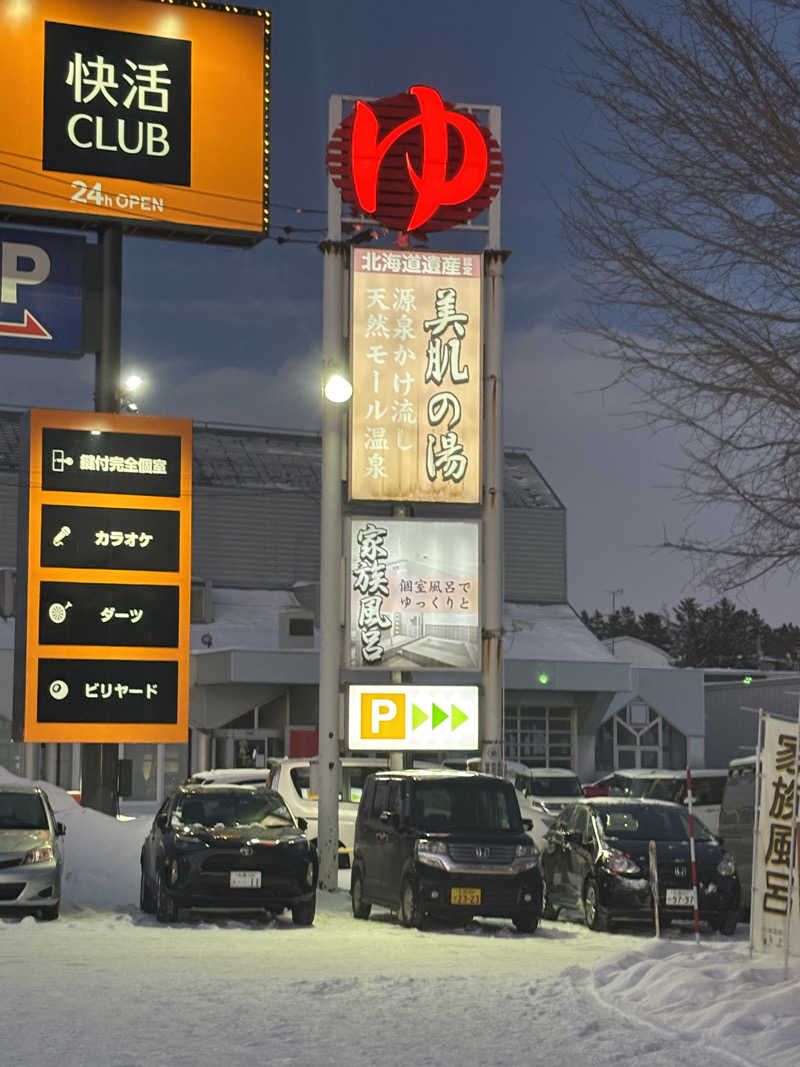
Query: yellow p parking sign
[
  {"x": 413, "y": 717},
  {"x": 383, "y": 716}
]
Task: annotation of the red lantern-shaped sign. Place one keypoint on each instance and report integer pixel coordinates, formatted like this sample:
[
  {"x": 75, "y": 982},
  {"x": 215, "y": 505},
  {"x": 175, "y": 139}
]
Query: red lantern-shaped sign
[{"x": 413, "y": 162}]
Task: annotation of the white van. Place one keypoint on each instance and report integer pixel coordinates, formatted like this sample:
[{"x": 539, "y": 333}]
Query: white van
[
  {"x": 542, "y": 792},
  {"x": 707, "y": 787},
  {"x": 297, "y": 782}
]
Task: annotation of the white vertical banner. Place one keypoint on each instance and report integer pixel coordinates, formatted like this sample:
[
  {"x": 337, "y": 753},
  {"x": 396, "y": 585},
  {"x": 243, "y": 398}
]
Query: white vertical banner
[{"x": 775, "y": 911}]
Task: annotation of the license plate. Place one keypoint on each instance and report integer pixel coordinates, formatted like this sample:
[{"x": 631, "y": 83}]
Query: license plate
[
  {"x": 245, "y": 879},
  {"x": 680, "y": 898},
  {"x": 465, "y": 896}
]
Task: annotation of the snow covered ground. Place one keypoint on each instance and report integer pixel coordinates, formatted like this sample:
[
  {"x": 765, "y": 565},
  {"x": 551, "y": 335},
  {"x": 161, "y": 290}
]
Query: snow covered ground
[{"x": 106, "y": 986}]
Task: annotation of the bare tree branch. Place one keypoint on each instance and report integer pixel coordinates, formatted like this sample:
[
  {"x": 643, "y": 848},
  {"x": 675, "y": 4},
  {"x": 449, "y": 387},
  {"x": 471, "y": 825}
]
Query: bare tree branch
[{"x": 684, "y": 221}]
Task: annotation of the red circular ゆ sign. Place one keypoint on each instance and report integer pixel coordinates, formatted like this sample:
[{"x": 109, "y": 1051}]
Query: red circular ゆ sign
[{"x": 415, "y": 163}]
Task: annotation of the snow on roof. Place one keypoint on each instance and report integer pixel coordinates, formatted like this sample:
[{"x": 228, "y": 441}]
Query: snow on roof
[
  {"x": 550, "y": 631},
  {"x": 290, "y": 460},
  {"x": 244, "y": 619}
]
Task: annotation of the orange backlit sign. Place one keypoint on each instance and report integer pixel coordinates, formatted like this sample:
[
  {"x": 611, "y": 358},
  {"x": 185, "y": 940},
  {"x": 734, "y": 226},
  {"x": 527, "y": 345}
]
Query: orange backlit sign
[
  {"x": 102, "y": 653},
  {"x": 151, "y": 114}
]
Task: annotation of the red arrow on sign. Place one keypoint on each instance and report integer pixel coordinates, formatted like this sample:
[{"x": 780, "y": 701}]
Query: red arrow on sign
[{"x": 30, "y": 327}]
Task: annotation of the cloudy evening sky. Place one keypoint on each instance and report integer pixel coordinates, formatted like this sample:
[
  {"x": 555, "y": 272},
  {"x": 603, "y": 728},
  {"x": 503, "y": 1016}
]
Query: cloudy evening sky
[{"x": 231, "y": 335}]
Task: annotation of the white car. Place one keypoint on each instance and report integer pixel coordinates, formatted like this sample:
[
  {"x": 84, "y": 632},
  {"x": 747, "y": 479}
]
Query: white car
[
  {"x": 230, "y": 776},
  {"x": 542, "y": 792},
  {"x": 296, "y": 781},
  {"x": 708, "y": 785}
]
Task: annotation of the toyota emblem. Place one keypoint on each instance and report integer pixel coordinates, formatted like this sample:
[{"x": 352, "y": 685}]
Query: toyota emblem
[
  {"x": 681, "y": 870},
  {"x": 246, "y": 850},
  {"x": 482, "y": 853}
]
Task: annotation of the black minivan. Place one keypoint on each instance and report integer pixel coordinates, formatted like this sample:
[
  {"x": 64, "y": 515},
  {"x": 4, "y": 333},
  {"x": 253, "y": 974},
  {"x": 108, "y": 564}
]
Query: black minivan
[{"x": 446, "y": 844}]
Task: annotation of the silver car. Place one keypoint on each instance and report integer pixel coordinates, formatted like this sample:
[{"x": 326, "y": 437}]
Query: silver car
[{"x": 31, "y": 859}]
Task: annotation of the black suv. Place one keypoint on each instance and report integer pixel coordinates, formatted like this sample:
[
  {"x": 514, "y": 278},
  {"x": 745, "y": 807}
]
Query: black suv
[
  {"x": 228, "y": 848},
  {"x": 449, "y": 844}
]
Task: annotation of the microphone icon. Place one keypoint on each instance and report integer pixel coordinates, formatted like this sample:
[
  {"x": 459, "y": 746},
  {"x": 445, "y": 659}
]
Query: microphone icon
[{"x": 61, "y": 536}]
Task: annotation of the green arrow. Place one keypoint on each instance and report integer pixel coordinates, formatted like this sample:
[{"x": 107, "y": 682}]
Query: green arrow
[
  {"x": 457, "y": 716},
  {"x": 439, "y": 716},
  {"x": 418, "y": 716}
]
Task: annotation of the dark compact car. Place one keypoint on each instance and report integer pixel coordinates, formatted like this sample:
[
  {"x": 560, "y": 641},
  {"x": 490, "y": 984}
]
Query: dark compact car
[
  {"x": 446, "y": 844},
  {"x": 596, "y": 858},
  {"x": 228, "y": 848}
]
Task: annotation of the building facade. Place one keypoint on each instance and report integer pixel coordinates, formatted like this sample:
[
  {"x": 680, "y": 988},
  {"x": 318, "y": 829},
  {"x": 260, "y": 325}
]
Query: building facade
[{"x": 255, "y": 596}]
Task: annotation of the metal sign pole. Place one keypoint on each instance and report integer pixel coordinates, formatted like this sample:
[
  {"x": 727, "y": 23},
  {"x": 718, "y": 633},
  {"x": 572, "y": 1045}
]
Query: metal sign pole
[
  {"x": 330, "y": 560},
  {"x": 695, "y": 902},
  {"x": 99, "y": 761},
  {"x": 492, "y": 520}
]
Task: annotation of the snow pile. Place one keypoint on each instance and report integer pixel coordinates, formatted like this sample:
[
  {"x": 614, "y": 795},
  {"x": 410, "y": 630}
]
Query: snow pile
[
  {"x": 101, "y": 854},
  {"x": 563, "y": 996},
  {"x": 713, "y": 992}
]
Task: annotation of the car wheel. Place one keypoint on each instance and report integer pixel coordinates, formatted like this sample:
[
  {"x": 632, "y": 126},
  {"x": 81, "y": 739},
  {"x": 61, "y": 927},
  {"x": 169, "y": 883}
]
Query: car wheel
[
  {"x": 146, "y": 902},
  {"x": 304, "y": 911},
  {"x": 726, "y": 923},
  {"x": 361, "y": 908},
  {"x": 527, "y": 922},
  {"x": 596, "y": 916},
  {"x": 166, "y": 909},
  {"x": 49, "y": 913},
  {"x": 411, "y": 913},
  {"x": 549, "y": 911}
]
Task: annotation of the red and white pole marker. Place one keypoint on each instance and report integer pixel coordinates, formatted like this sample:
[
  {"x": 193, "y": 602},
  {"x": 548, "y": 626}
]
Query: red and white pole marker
[{"x": 690, "y": 800}]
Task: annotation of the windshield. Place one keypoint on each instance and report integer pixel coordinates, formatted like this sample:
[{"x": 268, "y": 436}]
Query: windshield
[
  {"x": 445, "y": 807},
  {"x": 232, "y": 809},
  {"x": 353, "y": 779},
  {"x": 22, "y": 811},
  {"x": 649, "y": 824},
  {"x": 553, "y": 787}
]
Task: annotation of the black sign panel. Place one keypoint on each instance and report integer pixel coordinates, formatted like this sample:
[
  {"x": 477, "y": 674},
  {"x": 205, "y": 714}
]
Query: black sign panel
[
  {"x": 105, "y": 613},
  {"x": 84, "y": 462},
  {"x": 111, "y": 691},
  {"x": 127, "y": 539},
  {"x": 117, "y": 104}
]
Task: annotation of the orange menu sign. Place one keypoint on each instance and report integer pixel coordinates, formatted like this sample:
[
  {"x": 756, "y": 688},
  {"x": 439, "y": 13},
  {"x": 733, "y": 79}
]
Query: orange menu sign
[{"x": 102, "y": 653}]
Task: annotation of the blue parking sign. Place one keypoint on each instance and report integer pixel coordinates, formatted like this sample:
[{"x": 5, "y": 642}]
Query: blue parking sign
[{"x": 42, "y": 293}]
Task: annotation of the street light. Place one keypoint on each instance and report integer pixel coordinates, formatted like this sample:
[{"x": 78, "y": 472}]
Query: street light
[
  {"x": 338, "y": 388},
  {"x": 130, "y": 386}
]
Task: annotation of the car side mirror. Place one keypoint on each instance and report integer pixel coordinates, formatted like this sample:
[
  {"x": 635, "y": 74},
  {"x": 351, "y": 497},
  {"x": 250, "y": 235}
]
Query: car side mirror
[
  {"x": 527, "y": 824},
  {"x": 161, "y": 820},
  {"x": 60, "y": 829},
  {"x": 302, "y": 823}
]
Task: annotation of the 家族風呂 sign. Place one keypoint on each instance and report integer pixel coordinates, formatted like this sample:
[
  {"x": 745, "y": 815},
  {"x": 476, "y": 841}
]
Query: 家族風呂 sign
[
  {"x": 775, "y": 917},
  {"x": 414, "y": 596},
  {"x": 416, "y": 364}
]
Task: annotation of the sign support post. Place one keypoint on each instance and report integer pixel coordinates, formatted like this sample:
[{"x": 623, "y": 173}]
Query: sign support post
[
  {"x": 330, "y": 592},
  {"x": 99, "y": 761},
  {"x": 492, "y": 511}
]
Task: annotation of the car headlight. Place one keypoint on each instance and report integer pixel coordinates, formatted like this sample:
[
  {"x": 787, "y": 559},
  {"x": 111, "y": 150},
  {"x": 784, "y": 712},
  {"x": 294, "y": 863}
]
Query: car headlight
[
  {"x": 619, "y": 862},
  {"x": 527, "y": 850},
  {"x": 726, "y": 866},
  {"x": 431, "y": 852},
  {"x": 188, "y": 841},
  {"x": 42, "y": 854}
]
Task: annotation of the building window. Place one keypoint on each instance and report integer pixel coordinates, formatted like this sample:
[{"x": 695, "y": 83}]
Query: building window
[
  {"x": 540, "y": 737},
  {"x": 638, "y": 737}
]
